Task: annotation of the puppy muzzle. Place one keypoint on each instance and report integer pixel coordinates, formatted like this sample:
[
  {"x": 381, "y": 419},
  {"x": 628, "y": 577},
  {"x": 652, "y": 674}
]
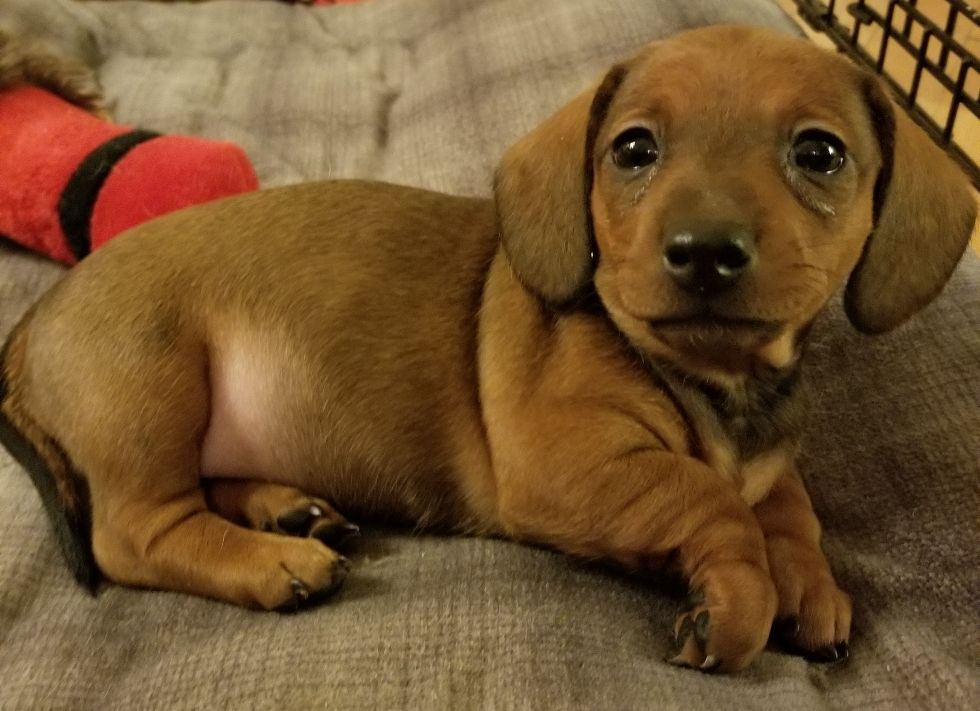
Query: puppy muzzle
[{"x": 708, "y": 259}]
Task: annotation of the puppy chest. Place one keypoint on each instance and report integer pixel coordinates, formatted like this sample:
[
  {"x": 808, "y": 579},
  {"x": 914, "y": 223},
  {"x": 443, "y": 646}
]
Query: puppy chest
[
  {"x": 748, "y": 432},
  {"x": 753, "y": 476}
]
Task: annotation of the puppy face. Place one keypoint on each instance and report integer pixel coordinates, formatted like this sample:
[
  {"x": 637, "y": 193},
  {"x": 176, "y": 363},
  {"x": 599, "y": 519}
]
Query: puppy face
[
  {"x": 728, "y": 206},
  {"x": 719, "y": 187}
]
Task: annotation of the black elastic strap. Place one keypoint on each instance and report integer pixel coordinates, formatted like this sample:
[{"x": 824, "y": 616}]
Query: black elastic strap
[{"x": 78, "y": 199}]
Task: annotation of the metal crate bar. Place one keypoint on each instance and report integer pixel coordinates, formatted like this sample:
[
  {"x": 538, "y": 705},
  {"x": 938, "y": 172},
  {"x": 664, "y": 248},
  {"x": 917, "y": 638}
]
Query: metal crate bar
[{"x": 824, "y": 17}]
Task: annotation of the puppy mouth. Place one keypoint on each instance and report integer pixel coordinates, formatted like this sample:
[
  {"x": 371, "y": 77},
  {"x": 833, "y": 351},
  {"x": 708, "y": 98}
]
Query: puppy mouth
[
  {"x": 707, "y": 321},
  {"x": 706, "y": 332}
]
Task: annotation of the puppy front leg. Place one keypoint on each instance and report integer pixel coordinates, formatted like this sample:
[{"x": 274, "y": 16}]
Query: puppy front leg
[
  {"x": 645, "y": 505},
  {"x": 814, "y": 614}
]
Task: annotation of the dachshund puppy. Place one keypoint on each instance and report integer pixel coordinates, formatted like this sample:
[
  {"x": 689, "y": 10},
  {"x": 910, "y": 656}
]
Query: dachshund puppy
[{"x": 604, "y": 359}]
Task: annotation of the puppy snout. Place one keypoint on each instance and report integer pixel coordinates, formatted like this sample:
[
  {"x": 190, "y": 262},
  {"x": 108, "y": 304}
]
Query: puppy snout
[{"x": 708, "y": 259}]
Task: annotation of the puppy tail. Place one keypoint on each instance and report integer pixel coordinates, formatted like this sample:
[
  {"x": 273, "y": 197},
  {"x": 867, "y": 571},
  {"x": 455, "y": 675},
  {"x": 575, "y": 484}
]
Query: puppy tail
[{"x": 64, "y": 491}]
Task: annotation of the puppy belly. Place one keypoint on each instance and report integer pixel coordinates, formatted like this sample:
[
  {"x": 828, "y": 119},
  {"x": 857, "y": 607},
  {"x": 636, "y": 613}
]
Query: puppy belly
[
  {"x": 273, "y": 419},
  {"x": 245, "y": 403}
]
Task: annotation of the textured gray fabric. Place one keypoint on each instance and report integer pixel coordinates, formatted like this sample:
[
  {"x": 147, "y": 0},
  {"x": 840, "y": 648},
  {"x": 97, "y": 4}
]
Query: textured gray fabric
[{"x": 429, "y": 93}]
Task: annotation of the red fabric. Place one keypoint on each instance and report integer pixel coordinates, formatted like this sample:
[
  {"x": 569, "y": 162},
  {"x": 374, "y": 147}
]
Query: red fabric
[
  {"x": 43, "y": 139},
  {"x": 166, "y": 174}
]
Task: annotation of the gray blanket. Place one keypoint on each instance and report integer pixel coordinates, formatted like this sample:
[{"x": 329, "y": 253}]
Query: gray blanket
[{"x": 430, "y": 92}]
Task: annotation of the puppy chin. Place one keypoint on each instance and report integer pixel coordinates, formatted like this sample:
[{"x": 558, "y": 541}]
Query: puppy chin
[
  {"x": 732, "y": 347},
  {"x": 713, "y": 337},
  {"x": 717, "y": 348}
]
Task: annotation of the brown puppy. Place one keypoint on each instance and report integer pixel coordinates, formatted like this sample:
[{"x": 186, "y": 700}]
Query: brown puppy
[{"x": 603, "y": 359}]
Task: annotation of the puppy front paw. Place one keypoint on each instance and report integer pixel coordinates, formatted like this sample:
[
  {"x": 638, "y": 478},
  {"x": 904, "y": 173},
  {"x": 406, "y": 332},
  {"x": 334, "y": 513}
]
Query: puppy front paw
[
  {"x": 729, "y": 621},
  {"x": 814, "y": 616}
]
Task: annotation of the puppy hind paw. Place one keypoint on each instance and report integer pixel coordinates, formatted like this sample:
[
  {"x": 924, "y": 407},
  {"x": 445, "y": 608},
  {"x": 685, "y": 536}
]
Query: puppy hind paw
[
  {"x": 302, "y": 596},
  {"x": 335, "y": 533},
  {"x": 306, "y": 574},
  {"x": 313, "y": 520},
  {"x": 276, "y": 508}
]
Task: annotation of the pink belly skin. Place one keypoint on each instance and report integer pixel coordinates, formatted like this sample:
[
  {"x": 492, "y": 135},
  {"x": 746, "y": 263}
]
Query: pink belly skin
[{"x": 239, "y": 441}]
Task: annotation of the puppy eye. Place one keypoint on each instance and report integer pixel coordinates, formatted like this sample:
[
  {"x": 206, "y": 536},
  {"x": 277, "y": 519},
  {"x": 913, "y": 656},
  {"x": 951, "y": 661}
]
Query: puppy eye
[
  {"x": 818, "y": 152},
  {"x": 635, "y": 148}
]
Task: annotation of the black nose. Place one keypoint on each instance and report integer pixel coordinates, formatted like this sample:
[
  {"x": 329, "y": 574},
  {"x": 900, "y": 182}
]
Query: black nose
[{"x": 708, "y": 259}]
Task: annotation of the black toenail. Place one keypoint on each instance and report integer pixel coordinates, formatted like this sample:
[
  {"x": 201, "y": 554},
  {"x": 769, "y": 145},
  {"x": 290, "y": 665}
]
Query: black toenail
[
  {"x": 788, "y": 628},
  {"x": 335, "y": 534},
  {"x": 843, "y": 650},
  {"x": 823, "y": 654},
  {"x": 298, "y": 522},
  {"x": 336, "y": 581},
  {"x": 300, "y": 596},
  {"x": 702, "y": 625},
  {"x": 300, "y": 593}
]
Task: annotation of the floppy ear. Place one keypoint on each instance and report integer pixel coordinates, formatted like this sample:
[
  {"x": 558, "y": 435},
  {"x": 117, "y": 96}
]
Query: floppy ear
[
  {"x": 924, "y": 213},
  {"x": 541, "y": 190}
]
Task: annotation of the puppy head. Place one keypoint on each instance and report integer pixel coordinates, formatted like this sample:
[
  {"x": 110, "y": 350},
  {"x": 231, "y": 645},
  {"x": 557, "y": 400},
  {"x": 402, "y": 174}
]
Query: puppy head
[{"x": 720, "y": 186}]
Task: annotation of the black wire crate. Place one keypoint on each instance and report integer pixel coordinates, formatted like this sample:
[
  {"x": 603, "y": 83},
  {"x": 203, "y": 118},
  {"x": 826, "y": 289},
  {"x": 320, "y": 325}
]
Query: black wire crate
[{"x": 919, "y": 49}]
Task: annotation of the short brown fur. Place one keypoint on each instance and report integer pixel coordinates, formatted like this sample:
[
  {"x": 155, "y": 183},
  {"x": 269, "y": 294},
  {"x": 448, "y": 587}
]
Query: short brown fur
[{"x": 520, "y": 367}]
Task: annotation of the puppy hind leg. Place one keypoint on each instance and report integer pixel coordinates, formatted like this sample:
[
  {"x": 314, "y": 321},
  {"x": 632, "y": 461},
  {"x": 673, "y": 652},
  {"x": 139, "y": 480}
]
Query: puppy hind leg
[
  {"x": 277, "y": 508},
  {"x": 182, "y": 546},
  {"x": 151, "y": 526}
]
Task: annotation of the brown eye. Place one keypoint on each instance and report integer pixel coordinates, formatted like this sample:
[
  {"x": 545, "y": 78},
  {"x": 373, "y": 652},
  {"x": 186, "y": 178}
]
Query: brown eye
[
  {"x": 817, "y": 151},
  {"x": 635, "y": 148}
]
